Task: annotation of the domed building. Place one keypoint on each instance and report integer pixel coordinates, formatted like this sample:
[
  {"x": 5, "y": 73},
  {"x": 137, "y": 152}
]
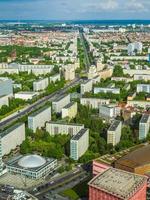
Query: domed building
[{"x": 32, "y": 166}]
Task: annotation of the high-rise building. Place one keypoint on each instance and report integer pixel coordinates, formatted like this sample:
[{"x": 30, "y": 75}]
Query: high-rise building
[
  {"x": 116, "y": 184},
  {"x": 70, "y": 110},
  {"x": 39, "y": 118},
  {"x": 40, "y": 84},
  {"x": 12, "y": 137},
  {"x": 6, "y": 87},
  {"x": 86, "y": 86},
  {"x": 79, "y": 144},
  {"x": 114, "y": 133},
  {"x": 60, "y": 102},
  {"x": 144, "y": 126}
]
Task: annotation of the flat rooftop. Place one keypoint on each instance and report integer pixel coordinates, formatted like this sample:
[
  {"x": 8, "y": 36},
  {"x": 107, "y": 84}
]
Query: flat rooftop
[
  {"x": 145, "y": 118},
  {"x": 69, "y": 105},
  {"x": 39, "y": 111},
  {"x": 114, "y": 125},
  {"x": 119, "y": 183},
  {"x": 61, "y": 97},
  {"x": 79, "y": 134},
  {"x": 64, "y": 123},
  {"x": 139, "y": 157}
]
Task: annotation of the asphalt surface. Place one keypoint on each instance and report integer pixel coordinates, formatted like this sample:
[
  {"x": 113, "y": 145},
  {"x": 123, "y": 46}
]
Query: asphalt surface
[{"x": 38, "y": 104}]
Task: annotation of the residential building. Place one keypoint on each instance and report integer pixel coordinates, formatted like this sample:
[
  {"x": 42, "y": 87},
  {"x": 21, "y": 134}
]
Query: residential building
[
  {"x": 79, "y": 144},
  {"x": 25, "y": 95},
  {"x": 6, "y": 87},
  {"x": 60, "y": 102},
  {"x": 54, "y": 128},
  {"x": 70, "y": 110},
  {"x": 142, "y": 104},
  {"x": 143, "y": 88},
  {"x": 54, "y": 78},
  {"x": 12, "y": 137},
  {"x": 106, "y": 90},
  {"x": 4, "y": 100},
  {"x": 41, "y": 84},
  {"x": 94, "y": 102},
  {"x": 114, "y": 133},
  {"x": 109, "y": 111},
  {"x": 92, "y": 72},
  {"x": 96, "y": 79},
  {"x": 144, "y": 126},
  {"x": 106, "y": 73},
  {"x": 86, "y": 86},
  {"x": 39, "y": 118},
  {"x": 116, "y": 184},
  {"x": 69, "y": 72},
  {"x": 138, "y": 77}
]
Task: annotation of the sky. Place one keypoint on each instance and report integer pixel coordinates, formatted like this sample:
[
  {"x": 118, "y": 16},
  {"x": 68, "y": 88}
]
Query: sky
[{"x": 74, "y": 9}]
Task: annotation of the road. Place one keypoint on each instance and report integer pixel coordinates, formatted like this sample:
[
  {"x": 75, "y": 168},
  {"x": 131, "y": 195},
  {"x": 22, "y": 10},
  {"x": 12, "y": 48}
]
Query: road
[
  {"x": 87, "y": 61},
  {"x": 60, "y": 182},
  {"x": 38, "y": 104}
]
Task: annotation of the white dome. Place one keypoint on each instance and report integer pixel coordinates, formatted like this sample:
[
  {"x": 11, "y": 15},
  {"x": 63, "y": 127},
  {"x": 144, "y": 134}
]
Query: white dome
[{"x": 31, "y": 161}]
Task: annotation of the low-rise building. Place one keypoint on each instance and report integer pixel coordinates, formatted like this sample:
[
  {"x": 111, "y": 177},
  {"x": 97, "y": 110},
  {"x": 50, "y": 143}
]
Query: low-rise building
[
  {"x": 137, "y": 104},
  {"x": 25, "y": 95},
  {"x": 41, "y": 84},
  {"x": 143, "y": 88},
  {"x": 70, "y": 110},
  {"x": 114, "y": 133},
  {"x": 79, "y": 144},
  {"x": 145, "y": 77},
  {"x": 12, "y": 137},
  {"x": 60, "y": 102},
  {"x": 54, "y": 128},
  {"x": 94, "y": 102},
  {"x": 39, "y": 118},
  {"x": 86, "y": 86},
  {"x": 106, "y": 90},
  {"x": 144, "y": 126}
]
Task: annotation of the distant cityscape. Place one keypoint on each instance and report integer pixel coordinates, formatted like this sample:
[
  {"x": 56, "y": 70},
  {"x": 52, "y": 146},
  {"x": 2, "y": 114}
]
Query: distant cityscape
[{"x": 75, "y": 110}]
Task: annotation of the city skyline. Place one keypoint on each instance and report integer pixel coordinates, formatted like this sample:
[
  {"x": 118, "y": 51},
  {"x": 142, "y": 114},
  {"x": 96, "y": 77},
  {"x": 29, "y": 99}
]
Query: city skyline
[{"x": 74, "y": 10}]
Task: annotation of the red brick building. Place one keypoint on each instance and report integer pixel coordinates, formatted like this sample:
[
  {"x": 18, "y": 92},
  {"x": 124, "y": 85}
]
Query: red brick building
[{"x": 115, "y": 184}]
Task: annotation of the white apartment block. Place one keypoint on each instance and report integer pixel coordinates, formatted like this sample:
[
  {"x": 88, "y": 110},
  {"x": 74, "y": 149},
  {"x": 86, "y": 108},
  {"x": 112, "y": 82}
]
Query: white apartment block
[
  {"x": 94, "y": 102},
  {"x": 145, "y": 77},
  {"x": 40, "y": 84},
  {"x": 61, "y": 102},
  {"x": 39, "y": 118},
  {"x": 54, "y": 78},
  {"x": 114, "y": 133},
  {"x": 132, "y": 72},
  {"x": 54, "y": 128},
  {"x": 25, "y": 95},
  {"x": 12, "y": 137},
  {"x": 79, "y": 144},
  {"x": 86, "y": 86},
  {"x": 142, "y": 104},
  {"x": 69, "y": 72},
  {"x": 106, "y": 90},
  {"x": 70, "y": 110},
  {"x": 127, "y": 80},
  {"x": 143, "y": 88},
  {"x": 109, "y": 111},
  {"x": 6, "y": 87},
  {"x": 4, "y": 100},
  {"x": 144, "y": 126}
]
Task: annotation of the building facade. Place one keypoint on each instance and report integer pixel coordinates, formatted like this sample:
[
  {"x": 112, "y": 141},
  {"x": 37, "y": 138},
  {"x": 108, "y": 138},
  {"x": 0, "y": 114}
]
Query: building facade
[
  {"x": 60, "y": 102},
  {"x": 70, "y": 110},
  {"x": 79, "y": 144},
  {"x": 114, "y": 133},
  {"x": 86, "y": 86},
  {"x": 144, "y": 126},
  {"x": 94, "y": 102},
  {"x": 12, "y": 137},
  {"x": 54, "y": 128},
  {"x": 39, "y": 118},
  {"x": 6, "y": 87},
  {"x": 40, "y": 84}
]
